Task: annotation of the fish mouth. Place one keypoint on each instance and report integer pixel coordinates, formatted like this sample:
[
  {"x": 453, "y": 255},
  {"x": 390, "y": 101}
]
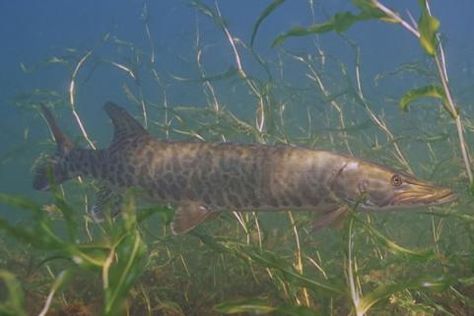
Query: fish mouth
[{"x": 423, "y": 195}]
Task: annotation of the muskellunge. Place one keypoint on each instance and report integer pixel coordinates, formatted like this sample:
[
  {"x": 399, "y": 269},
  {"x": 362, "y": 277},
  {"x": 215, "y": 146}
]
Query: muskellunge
[{"x": 200, "y": 178}]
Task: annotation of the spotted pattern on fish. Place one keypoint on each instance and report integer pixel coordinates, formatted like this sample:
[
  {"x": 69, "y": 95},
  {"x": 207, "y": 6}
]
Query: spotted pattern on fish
[
  {"x": 200, "y": 178},
  {"x": 222, "y": 176}
]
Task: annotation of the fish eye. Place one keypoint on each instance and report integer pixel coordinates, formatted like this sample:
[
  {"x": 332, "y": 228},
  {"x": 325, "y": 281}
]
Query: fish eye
[{"x": 396, "y": 180}]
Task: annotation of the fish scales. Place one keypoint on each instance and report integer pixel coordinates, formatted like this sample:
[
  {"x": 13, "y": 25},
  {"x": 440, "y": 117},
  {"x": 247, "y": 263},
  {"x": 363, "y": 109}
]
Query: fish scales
[
  {"x": 222, "y": 176},
  {"x": 201, "y": 178}
]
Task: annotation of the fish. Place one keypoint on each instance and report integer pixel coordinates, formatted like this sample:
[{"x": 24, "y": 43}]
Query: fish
[{"x": 201, "y": 179}]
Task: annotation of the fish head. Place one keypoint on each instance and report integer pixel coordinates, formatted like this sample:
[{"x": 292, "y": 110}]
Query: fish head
[{"x": 372, "y": 186}]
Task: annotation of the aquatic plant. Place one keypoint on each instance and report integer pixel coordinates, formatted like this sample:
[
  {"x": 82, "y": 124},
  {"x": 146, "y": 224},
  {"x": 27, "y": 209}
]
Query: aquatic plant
[
  {"x": 55, "y": 260},
  {"x": 426, "y": 30},
  {"x": 116, "y": 253}
]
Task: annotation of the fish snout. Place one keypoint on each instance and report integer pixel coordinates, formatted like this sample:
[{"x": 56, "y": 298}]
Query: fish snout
[{"x": 423, "y": 195}]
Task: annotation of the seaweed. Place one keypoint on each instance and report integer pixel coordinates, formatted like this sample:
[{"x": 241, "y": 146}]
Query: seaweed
[{"x": 56, "y": 261}]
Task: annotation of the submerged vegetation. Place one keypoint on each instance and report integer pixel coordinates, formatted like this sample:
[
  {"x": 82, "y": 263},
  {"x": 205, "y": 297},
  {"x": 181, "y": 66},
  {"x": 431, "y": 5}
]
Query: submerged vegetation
[{"x": 56, "y": 261}]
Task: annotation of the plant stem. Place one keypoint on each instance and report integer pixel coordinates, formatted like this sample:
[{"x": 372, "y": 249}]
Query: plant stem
[
  {"x": 456, "y": 116},
  {"x": 72, "y": 99},
  {"x": 443, "y": 77}
]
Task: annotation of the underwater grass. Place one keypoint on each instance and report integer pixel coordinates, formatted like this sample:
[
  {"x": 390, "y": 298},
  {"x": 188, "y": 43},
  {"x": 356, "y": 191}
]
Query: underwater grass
[
  {"x": 117, "y": 252},
  {"x": 426, "y": 30},
  {"x": 249, "y": 263},
  {"x": 242, "y": 266}
]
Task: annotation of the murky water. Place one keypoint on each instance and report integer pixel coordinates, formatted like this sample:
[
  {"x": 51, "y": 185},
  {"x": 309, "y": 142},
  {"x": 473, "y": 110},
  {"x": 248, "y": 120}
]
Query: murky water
[{"x": 241, "y": 72}]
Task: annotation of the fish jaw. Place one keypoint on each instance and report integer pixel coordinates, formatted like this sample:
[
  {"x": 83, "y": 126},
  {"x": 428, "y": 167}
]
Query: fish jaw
[{"x": 417, "y": 194}]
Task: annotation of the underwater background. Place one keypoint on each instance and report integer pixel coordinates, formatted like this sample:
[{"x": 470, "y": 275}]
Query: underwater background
[{"x": 344, "y": 76}]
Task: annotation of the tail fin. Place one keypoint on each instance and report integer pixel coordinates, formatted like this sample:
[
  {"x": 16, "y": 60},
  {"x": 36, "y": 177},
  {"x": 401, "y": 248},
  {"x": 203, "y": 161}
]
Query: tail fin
[{"x": 52, "y": 170}]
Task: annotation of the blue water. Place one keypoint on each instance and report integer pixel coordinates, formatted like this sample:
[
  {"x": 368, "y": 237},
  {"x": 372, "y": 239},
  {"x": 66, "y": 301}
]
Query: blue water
[{"x": 34, "y": 32}]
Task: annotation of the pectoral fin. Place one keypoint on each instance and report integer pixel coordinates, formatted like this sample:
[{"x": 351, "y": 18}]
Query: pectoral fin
[
  {"x": 187, "y": 216},
  {"x": 108, "y": 201},
  {"x": 332, "y": 217}
]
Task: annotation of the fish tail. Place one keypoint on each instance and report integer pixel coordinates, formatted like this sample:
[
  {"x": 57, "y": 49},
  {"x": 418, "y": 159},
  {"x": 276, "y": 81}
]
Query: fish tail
[{"x": 53, "y": 170}]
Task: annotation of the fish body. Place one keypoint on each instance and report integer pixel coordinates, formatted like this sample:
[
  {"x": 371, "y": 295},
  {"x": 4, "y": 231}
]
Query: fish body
[{"x": 201, "y": 178}]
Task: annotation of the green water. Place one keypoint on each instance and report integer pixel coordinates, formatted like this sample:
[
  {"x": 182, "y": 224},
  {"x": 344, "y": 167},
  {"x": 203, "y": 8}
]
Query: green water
[{"x": 54, "y": 259}]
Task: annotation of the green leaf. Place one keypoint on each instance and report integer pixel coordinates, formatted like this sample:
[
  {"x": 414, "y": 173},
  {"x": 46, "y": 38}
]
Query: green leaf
[
  {"x": 295, "y": 310},
  {"x": 394, "y": 248},
  {"x": 206, "y": 10},
  {"x": 121, "y": 275},
  {"x": 14, "y": 301},
  {"x": 68, "y": 214},
  {"x": 343, "y": 21},
  {"x": 18, "y": 202},
  {"x": 244, "y": 306},
  {"x": 428, "y": 27},
  {"x": 340, "y": 22},
  {"x": 468, "y": 219},
  {"x": 384, "y": 291},
  {"x": 432, "y": 91},
  {"x": 165, "y": 214},
  {"x": 365, "y": 5},
  {"x": 370, "y": 9},
  {"x": 30, "y": 235},
  {"x": 268, "y": 10},
  {"x": 269, "y": 260},
  {"x": 260, "y": 306}
]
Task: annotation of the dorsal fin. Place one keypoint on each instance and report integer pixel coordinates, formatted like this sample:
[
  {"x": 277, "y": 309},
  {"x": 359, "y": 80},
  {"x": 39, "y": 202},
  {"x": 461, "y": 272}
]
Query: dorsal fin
[{"x": 124, "y": 124}]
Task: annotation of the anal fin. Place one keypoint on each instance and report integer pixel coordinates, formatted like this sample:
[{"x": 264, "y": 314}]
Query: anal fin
[
  {"x": 108, "y": 202},
  {"x": 188, "y": 215},
  {"x": 332, "y": 217}
]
